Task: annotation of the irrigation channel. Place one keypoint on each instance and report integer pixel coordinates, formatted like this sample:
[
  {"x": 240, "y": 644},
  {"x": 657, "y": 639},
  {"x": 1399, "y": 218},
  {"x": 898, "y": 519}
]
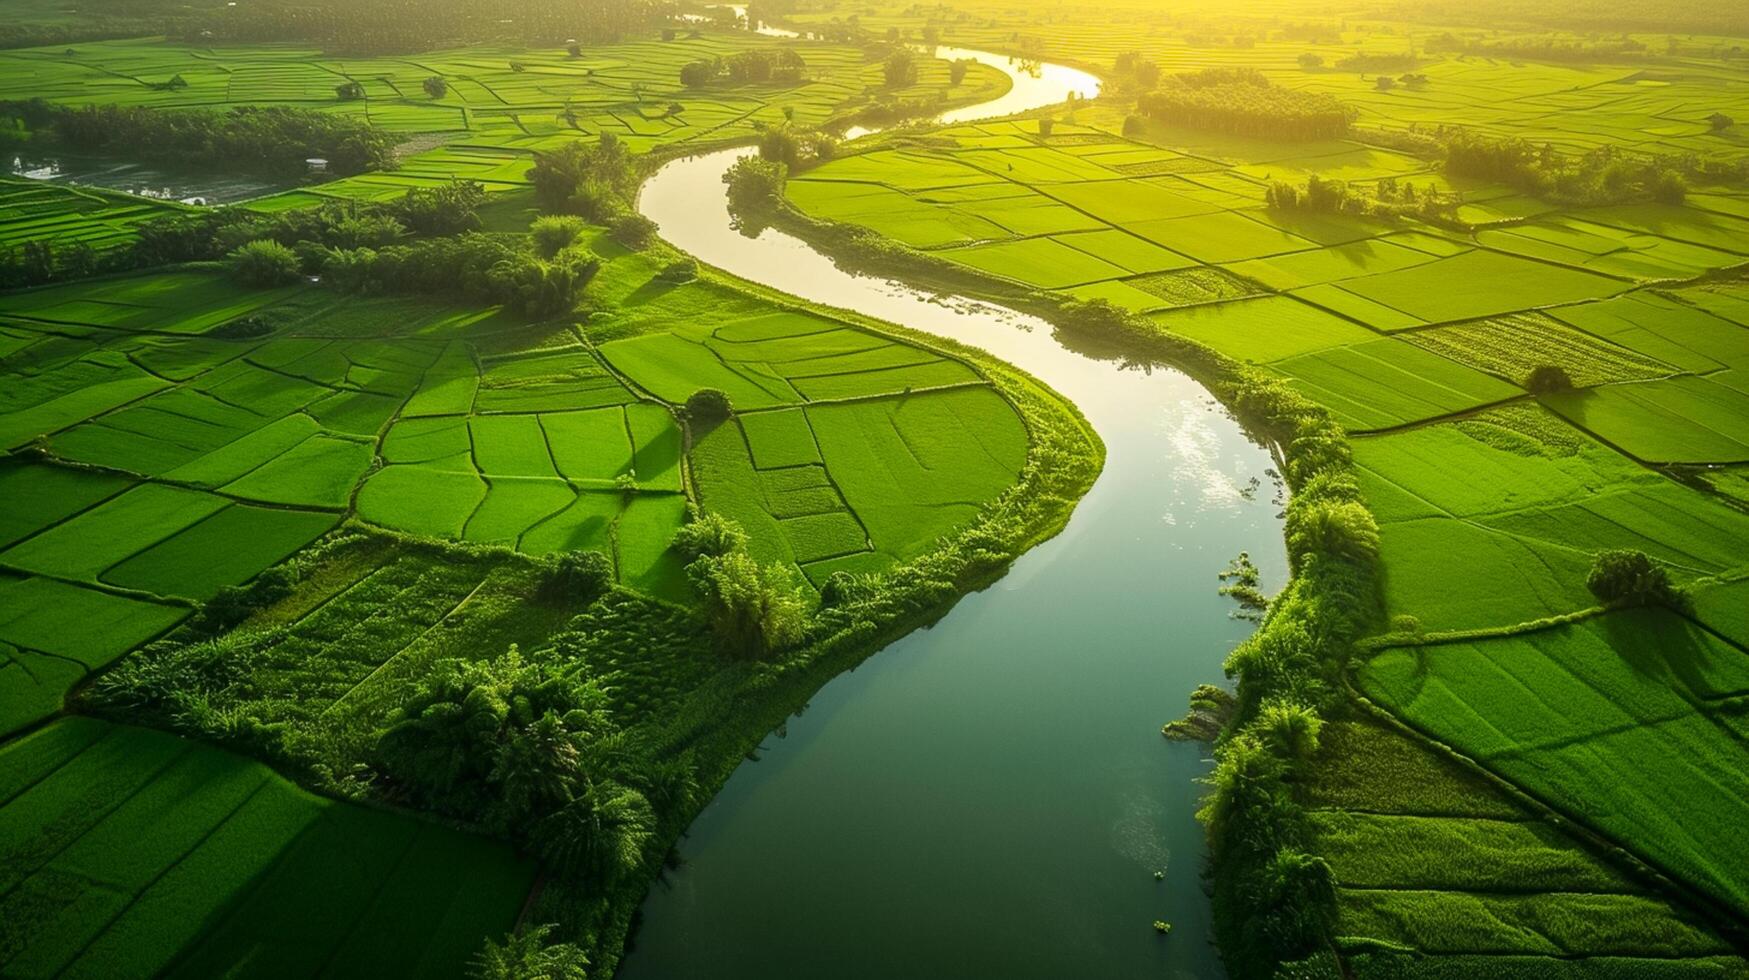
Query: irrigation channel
[{"x": 989, "y": 797}]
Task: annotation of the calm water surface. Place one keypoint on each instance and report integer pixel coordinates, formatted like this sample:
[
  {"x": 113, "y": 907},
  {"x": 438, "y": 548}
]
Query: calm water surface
[{"x": 990, "y": 797}]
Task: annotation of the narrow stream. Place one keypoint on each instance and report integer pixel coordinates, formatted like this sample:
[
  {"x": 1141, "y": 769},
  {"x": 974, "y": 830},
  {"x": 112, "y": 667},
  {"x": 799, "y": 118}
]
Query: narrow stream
[{"x": 989, "y": 797}]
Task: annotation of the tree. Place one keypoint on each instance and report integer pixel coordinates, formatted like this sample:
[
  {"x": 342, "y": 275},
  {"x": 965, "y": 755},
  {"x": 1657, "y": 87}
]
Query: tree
[
  {"x": 755, "y": 185},
  {"x": 956, "y": 70},
  {"x": 1344, "y": 529},
  {"x": 601, "y": 834},
  {"x": 1720, "y": 122},
  {"x": 527, "y": 956},
  {"x": 578, "y": 178},
  {"x": 1384, "y": 83},
  {"x": 900, "y": 69},
  {"x": 1290, "y": 729},
  {"x": 1311, "y": 62},
  {"x": 508, "y": 738},
  {"x": 349, "y": 91},
  {"x": 633, "y": 230},
  {"x": 436, "y": 86},
  {"x": 698, "y": 74},
  {"x": 708, "y": 405},
  {"x": 708, "y": 534},
  {"x": 1624, "y": 577},
  {"x": 1547, "y": 379},
  {"x": 1299, "y": 901},
  {"x": 554, "y": 233},
  {"x": 578, "y": 577},
  {"x": 755, "y": 610},
  {"x": 265, "y": 263}
]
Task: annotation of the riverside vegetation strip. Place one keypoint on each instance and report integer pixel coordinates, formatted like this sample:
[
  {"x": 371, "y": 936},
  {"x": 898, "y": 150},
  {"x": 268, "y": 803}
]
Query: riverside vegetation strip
[
  {"x": 311, "y": 523},
  {"x": 1447, "y": 757}
]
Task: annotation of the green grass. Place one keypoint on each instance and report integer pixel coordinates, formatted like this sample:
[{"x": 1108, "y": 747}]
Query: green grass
[
  {"x": 135, "y": 852},
  {"x": 84, "y": 546},
  {"x": 913, "y": 467},
  {"x": 1265, "y": 329},
  {"x": 1607, "y": 720},
  {"x": 780, "y": 439},
  {"x": 1385, "y": 383},
  {"x": 1679, "y": 420},
  {"x": 228, "y": 548}
]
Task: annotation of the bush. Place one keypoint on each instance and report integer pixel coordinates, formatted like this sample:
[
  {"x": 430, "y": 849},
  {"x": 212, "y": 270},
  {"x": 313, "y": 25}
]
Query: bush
[
  {"x": 264, "y": 263},
  {"x": 527, "y": 956},
  {"x": 1547, "y": 379},
  {"x": 1629, "y": 578},
  {"x": 755, "y": 185},
  {"x": 578, "y": 577},
  {"x": 679, "y": 271},
  {"x": 900, "y": 69},
  {"x": 708, "y": 535},
  {"x": 436, "y": 87},
  {"x": 633, "y": 230},
  {"x": 755, "y": 610},
  {"x": 708, "y": 405},
  {"x": 554, "y": 233}
]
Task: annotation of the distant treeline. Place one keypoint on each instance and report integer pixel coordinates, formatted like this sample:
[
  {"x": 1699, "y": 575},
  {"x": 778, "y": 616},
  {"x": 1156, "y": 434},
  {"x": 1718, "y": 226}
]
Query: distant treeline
[
  {"x": 273, "y": 139},
  {"x": 1540, "y": 48},
  {"x": 1655, "y": 16},
  {"x": 212, "y": 234},
  {"x": 745, "y": 68},
  {"x": 1602, "y": 176},
  {"x": 369, "y": 27},
  {"x": 1241, "y": 101}
]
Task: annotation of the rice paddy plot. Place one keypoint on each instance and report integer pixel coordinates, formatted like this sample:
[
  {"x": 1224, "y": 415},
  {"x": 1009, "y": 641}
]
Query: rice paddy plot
[
  {"x": 1223, "y": 236},
  {"x": 548, "y": 382},
  {"x": 1385, "y": 383},
  {"x": 132, "y": 853},
  {"x": 1479, "y": 284},
  {"x": 1674, "y": 420},
  {"x": 1267, "y": 328},
  {"x": 1664, "y": 329},
  {"x": 84, "y": 546},
  {"x": 228, "y": 548},
  {"x": 1607, "y": 720},
  {"x": 914, "y": 467},
  {"x": 1042, "y": 262},
  {"x": 53, "y": 633},
  {"x": 1513, "y": 346}
]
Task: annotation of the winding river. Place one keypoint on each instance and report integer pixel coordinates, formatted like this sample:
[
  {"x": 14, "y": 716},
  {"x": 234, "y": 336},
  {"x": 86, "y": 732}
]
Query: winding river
[{"x": 989, "y": 797}]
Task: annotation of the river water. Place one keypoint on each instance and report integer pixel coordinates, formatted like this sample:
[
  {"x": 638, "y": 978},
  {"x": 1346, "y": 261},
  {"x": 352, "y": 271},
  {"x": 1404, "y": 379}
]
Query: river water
[{"x": 989, "y": 797}]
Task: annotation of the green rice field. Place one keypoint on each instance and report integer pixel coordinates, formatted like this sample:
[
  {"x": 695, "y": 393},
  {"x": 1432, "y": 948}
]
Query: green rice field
[{"x": 353, "y": 624}]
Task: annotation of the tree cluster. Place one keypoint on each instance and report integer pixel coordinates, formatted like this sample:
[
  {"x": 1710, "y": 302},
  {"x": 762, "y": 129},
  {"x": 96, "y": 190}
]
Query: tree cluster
[
  {"x": 494, "y": 269},
  {"x": 757, "y": 67},
  {"x": 209, "y": 235},
  {"x": 1546, "y": 48},
  {"x": 1242, "y": 102},
  {"x": 1387, "y": 197},
  {"x": 1132, "y": 70},
  {"x": 518, "y": 747},
  {"x": 1601, "y": 176},
  {"x": 756, "y": 611},
  {"x": 276, "y": 139},
  {"x": 592, "y": 181},
  {"x": 384, "y": 27}
]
